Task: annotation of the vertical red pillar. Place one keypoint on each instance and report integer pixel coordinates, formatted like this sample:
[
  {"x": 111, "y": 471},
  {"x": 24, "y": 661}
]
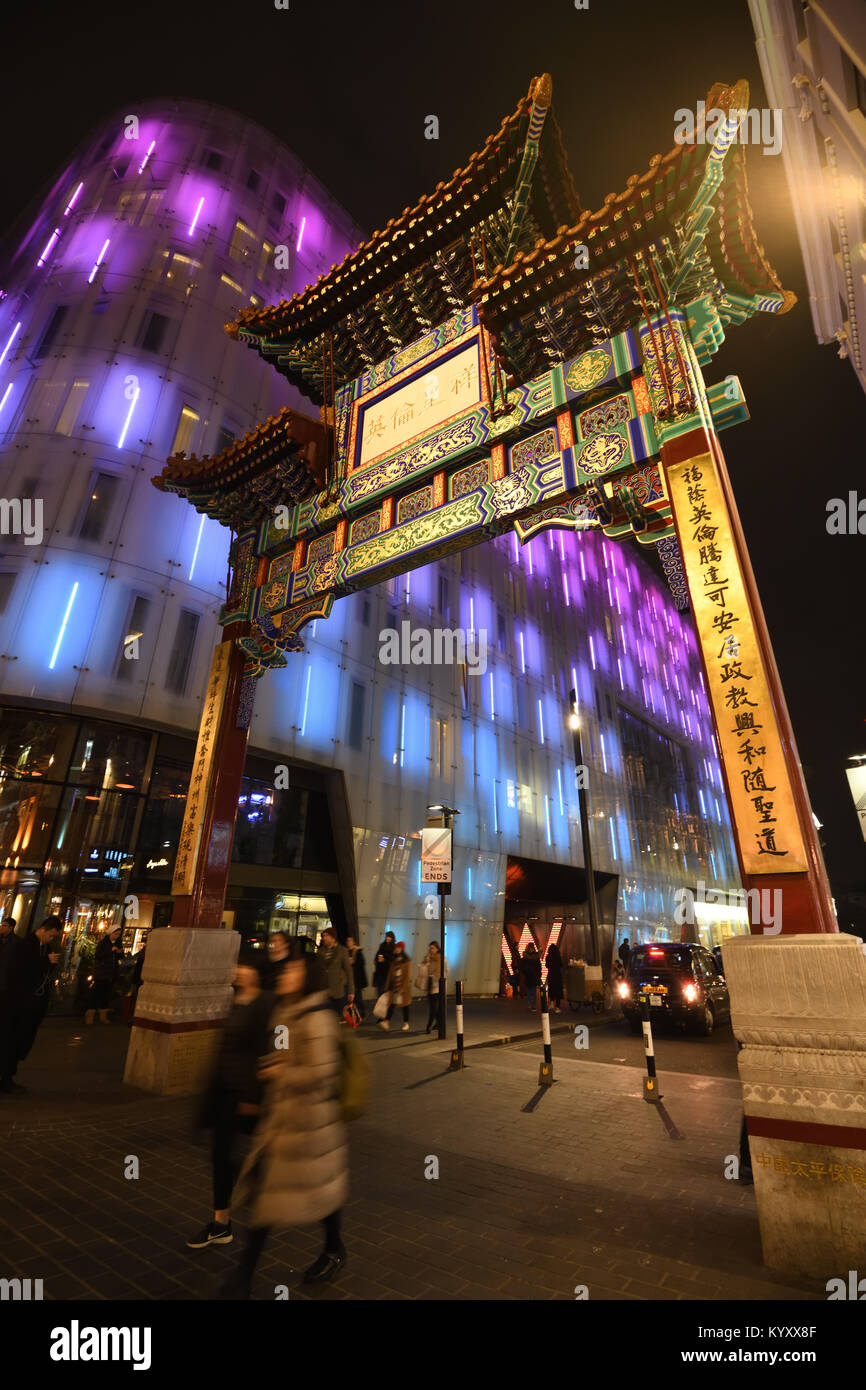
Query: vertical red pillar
[{"x": 203, "y": 906}]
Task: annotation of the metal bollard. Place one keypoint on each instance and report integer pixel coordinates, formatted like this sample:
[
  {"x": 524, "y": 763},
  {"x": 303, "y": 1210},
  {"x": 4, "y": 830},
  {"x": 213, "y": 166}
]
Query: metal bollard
[
  {"x": 650, "y": 1083},
  {"x": 457, "y": 1055},
  {"x": 545, "y": 1071}
]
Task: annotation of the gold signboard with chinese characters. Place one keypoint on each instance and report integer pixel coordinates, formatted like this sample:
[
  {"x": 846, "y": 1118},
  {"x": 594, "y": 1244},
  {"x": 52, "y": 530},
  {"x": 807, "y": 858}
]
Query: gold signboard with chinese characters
[
  {"x": 202, "y": 768},
  {"x": 447, "y": 389},
  {"x": 761, "y": 798}
]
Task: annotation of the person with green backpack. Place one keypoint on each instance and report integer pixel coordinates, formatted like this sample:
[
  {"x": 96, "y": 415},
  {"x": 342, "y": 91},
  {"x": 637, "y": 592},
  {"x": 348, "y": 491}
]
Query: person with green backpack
[{"x": 296, "y": 1171}]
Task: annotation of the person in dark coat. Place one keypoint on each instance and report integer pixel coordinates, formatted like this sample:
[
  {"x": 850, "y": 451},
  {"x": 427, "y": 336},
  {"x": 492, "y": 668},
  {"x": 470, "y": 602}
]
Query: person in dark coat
[
  {"x": 382, "y": 963},
  {"x": 279, "y": 950},
  {"x": 297, "y": 1170},
  {"x": 530, "y": 966},
  {"x": 8, "y": 944},
  {"x": 624, "y": 953},
  {"x": 32, "y": 981},
  {"x": 231, "y": 1103},
  {"x": 359, "y": 973},
  {"x": 106, "y": 966},
  {"x": 334, "y": 959},
  {"x": 553, "y": 961}
]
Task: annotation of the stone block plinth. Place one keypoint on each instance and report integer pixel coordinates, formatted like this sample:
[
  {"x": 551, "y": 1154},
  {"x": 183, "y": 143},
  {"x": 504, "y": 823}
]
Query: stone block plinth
[
  {"x": 799, "y": 1009},
  {"x": 184, "y": 998}
]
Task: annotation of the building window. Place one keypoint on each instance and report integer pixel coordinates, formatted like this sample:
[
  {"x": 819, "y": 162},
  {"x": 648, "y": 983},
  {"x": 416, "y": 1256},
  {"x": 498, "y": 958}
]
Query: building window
[
  {"x": 44, "y": 404},
  {"x": 212, "y": 159},
  {"x": 100, "y": 306},
  {"x": 855, "y": 85},
  {"x": 224, "y": 438},
  {"x": 151, "y": 207},
  {"x": 278, "y": 203},
  {"x": 49, "y": 336},
  {"x": 130, "y": 651},
  {"x": 799, "y": 8},
  {"x": 439, "y": 748},
  {"x": 120, "y": 167},
  {"x": 232, "y": 284},
  {"x": 243, "y": 241},
  {"x": 180, "y": 660},
  {"x": 153, "y": 331},
  {"x": 253, "y": 180},
  {"x": 7, "y": 583},
  {"x": 99, "y": 507},
  {"x": 256, "y": 301},
  {"x": 179, "y": 267},
  {"x": 444, "y": 608},
  {"x": 72, "y": 408},
  {"x": 265, "y": 259},
  {"x": 355, "y": 734},
  {"x": 186, "y": 430}
]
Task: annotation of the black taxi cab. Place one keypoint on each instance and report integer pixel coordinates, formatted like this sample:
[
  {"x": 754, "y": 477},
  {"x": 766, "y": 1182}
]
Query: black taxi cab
[{"x": 682, "y": 984}]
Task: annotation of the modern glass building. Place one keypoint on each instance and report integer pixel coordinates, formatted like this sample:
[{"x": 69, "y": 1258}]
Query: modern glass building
[{"x": 114, "y": 358}]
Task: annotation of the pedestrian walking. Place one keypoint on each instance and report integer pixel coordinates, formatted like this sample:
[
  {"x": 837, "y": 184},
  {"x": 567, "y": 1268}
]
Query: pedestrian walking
[
  {"x": 359, "y": 973},
  {"x": 428, "y": 979},
  {"x": 231, "y": 1103},
  {"x": 279, "y": 950},
  {"x": 382, "y": 963},
  {"x": 399, "y": 985},
  {"x": 32, "y": 984},
  {"x": 530, "y": 966},
  {"x": 8, "y": 944},
  {"x": 553, "y": 961},
  {"x": 624, "y": 953},
  {"x": 106, "y": 966},
  {"x": 338, "y": 971},
  {"x": 297, "y": 1170}
]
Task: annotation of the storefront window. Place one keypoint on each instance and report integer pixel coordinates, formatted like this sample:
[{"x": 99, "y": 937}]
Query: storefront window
[
  {"x": 27, "y": 810},
  {"x": 110, "y": 757},
  {"x": 34, "y": 745}
]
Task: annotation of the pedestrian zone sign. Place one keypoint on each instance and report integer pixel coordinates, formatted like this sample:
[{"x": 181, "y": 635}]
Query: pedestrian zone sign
[{"x": 435, "y": 855}]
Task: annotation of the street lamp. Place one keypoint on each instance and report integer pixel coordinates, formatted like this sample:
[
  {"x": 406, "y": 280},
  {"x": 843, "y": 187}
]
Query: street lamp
[
  {"x": 439, "y": 814},
  {"x": 592, "y": 902}
]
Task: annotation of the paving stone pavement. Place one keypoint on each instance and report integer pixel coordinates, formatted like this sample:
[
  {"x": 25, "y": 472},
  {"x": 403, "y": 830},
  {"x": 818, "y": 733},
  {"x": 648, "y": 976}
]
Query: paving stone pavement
[{"x": 538, "y": 1192}]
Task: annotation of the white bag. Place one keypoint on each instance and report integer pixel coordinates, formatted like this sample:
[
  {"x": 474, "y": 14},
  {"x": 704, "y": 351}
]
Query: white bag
[
  {"x": 422, "y": 977},
  {"x": 382, "y": 1005}
]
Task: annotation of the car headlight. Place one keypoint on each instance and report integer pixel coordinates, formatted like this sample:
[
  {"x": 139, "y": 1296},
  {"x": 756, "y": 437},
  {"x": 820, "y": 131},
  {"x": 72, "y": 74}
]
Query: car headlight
[{"x": 623, "y": 990}]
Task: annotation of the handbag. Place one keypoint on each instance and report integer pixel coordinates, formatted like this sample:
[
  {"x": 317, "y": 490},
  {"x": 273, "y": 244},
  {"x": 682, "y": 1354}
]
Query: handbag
[
  {"x": 422, "y": 977},
  {"x": 382, "y": 1004},
  {"x": 352, "y": 1015}
]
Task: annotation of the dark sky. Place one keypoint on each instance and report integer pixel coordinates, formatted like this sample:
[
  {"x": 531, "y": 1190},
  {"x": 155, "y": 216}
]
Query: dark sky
[{"x": 347, "y": 86}]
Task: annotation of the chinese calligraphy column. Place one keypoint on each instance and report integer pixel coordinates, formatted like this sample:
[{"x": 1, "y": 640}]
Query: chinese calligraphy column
[
  {"x": 186, "y": 988},
  {"x": 797, "y": 984}
]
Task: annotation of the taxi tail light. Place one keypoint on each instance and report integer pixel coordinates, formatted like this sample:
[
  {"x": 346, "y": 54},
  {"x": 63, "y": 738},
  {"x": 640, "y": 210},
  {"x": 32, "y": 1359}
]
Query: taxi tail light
[{"x": 691, "y": 992}]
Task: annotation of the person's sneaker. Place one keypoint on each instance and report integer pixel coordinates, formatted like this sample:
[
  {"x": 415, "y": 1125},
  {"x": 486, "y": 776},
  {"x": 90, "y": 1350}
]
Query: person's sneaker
[
  {"x": 326, "y": 1266},
  {"x": 405, "y": 1028},
  {"x": 383, "y": 1023},
  {"x": 214, "y": 1233}
]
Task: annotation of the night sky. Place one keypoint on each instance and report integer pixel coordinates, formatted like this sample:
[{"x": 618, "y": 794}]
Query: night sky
[{"x": 347, "y": 87}]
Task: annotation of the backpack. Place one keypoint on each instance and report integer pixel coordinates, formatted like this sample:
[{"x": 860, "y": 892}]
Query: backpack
[{"x": 355, "y": 1077}]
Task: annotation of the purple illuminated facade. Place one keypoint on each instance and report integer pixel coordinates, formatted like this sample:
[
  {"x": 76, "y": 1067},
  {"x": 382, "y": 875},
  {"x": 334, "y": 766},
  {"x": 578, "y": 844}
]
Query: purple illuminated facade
[{"x": 159, "y": 230}]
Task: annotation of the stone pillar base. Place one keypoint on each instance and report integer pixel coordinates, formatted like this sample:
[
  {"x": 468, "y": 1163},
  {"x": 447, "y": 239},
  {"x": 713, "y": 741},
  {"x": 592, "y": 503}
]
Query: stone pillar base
[
  {"x": 799, "y": 1009},
  {"x": 184, "y": 997}
]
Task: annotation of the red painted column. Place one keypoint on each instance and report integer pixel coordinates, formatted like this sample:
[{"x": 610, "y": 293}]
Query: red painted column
[
  {"x": 203, "y": 907},
  {"x": 807, "y": 905}
]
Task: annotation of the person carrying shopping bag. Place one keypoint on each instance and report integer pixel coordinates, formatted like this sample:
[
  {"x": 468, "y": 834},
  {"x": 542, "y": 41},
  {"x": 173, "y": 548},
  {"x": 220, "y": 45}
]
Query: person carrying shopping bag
[{"x": 399, "y": 986}]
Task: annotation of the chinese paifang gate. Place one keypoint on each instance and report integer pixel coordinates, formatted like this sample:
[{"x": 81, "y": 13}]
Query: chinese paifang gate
[{"x": 499, "y": 357}]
